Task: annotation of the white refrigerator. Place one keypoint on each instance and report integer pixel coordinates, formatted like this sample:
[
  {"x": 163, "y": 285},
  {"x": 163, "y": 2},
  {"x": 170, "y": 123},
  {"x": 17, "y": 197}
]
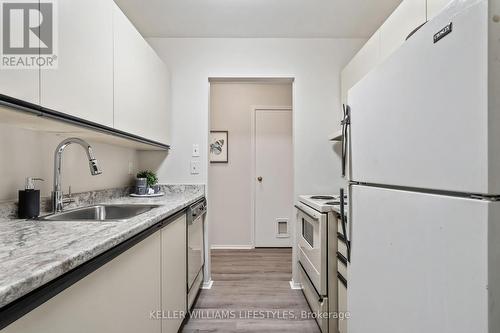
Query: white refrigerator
[{"x": 424, "y": 177}]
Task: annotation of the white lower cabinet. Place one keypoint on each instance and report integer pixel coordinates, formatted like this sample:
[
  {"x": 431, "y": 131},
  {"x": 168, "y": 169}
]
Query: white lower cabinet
[
  {"x": 117, "y": 297},
  {"x": 174, "y": 274}
]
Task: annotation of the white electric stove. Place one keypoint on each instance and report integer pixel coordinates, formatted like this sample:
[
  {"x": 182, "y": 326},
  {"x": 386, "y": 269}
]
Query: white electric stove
[
  {"x": 317, "y": 218},
  {"x": 323, "y": 203}
]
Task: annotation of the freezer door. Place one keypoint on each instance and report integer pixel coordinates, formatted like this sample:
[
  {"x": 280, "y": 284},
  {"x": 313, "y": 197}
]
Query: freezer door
[
  {"x": 420, "y": 119},
  {"x": 418, "y": 263}
]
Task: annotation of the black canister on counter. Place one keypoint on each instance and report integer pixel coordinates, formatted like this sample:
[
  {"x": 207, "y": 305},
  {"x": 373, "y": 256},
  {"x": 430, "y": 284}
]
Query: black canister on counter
[{"x": 29, "y": 200}]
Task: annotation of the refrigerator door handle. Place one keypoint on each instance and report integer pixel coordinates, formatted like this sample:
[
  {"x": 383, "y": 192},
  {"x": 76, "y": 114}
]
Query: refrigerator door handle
[
  {"x": 345, "y": 124},
  {"x": 414, "y": 31},
  {"x": 344, "y": 225}
]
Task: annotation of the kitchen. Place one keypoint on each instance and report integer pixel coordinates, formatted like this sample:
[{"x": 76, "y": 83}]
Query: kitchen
[{"x": 145, "y": 86}]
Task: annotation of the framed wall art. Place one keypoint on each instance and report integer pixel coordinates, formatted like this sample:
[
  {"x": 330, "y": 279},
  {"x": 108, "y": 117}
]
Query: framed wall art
[{"x": 219, "y": 146}]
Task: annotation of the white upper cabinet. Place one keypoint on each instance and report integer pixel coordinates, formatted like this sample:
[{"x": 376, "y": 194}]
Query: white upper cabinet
[
  {"x": 141, "y": 84},
  {"x": 82, "y": 84},
  {"x": 390, "y": 36},
  {"x": 408, "y": 16},
  {"x": 20, "y": 83},
  {"x": 105, "y": 71},
  {"x": 435, "y": 6},
  {"x": 366, "y": 59}
]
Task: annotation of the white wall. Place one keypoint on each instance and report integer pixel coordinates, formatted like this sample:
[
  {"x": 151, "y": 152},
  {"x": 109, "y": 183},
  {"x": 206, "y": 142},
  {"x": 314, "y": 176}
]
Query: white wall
[
  {"x": 314, "y": 63},
  {"x": 230, "y": 204},
  {"x": 31, "y": 153}
]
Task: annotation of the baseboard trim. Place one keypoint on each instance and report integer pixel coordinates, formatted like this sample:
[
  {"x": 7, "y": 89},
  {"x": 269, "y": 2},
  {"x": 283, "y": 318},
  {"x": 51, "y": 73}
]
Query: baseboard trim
[
  {"x": 232, "y": 247},
  {"x": 295, "y": 285},
  {"x": 207, "y": 285}
]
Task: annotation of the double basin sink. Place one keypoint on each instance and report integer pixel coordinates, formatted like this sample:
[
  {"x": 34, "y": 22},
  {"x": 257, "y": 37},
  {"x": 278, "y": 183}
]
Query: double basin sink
[{"x": 100, "y": 213}]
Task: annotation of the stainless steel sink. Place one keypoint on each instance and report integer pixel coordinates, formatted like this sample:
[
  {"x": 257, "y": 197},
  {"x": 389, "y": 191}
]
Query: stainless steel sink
[{"x": 100, "y": 213}]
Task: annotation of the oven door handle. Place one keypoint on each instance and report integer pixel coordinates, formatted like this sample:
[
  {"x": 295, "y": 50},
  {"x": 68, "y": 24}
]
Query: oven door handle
[{"x": 302, "y": 209}]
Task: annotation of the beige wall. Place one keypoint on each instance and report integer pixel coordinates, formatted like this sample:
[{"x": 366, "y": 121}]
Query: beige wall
[
  {"x": 31, "y": 153},
  {"x": 229, "y": 185}
]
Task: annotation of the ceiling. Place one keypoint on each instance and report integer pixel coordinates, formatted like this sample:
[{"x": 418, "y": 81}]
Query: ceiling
[{"x": 258, "y": 18}]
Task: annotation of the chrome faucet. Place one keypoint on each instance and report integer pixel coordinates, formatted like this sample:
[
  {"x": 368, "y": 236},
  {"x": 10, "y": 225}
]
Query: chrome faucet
[{"x": 57, "y": 193}]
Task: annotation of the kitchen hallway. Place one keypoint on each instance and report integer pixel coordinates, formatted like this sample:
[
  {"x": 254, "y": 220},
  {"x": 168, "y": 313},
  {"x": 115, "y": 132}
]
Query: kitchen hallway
[{"x": 246, "y": 281}]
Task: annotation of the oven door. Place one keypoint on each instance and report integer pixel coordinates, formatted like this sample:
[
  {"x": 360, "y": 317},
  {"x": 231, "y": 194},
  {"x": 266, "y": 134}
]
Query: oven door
[{"x": 312, "y": 246}]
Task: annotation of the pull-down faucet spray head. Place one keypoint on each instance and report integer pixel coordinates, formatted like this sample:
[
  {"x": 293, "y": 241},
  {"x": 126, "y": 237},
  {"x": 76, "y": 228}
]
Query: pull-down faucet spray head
[
  {"x": 57, "y": 194},
  {"x": 94, "y": 166}
]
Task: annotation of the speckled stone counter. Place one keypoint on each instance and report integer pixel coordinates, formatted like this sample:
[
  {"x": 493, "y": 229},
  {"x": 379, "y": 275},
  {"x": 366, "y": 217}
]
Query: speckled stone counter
[{"x": 33, "y": 253}]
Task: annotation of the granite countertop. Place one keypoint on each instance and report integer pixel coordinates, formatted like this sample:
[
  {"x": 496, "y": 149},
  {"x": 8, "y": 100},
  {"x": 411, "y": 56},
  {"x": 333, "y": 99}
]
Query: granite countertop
[{"x": 33, "y": 253}]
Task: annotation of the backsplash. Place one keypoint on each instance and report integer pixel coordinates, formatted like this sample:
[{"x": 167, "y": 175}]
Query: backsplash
[
  {"x": 8, "y": 210},
  {"x": 31, "y": 154}
]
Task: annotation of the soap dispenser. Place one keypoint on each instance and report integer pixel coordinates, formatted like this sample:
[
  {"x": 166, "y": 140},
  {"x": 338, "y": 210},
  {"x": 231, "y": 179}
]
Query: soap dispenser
[{"x": 29, "y": 200}]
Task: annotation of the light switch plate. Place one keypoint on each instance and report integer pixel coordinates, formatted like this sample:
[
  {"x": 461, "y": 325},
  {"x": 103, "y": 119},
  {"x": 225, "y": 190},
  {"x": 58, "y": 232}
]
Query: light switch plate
[
  {"x": 195, "y": 167},
  {"x": 196, "y": 150}
]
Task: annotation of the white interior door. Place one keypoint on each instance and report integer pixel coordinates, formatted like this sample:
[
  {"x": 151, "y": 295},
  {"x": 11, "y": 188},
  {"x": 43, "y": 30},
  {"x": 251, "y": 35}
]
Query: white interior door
[{"x": 273, "y": 177}]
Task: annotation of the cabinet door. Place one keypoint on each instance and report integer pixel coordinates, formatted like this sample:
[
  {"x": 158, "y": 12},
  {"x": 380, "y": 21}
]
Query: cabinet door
[
  {"x": 364, "y": 61},
  {"x": 173, "y": 271},
  {"x": 20, "y": 83},
  {"x": 408, "y": 16},
  {"x": 141, "y": 83},
  {"x": 116, "y": 298},
  {"x": 435, "y": 6},
  {"x": 82, "y": 85}
]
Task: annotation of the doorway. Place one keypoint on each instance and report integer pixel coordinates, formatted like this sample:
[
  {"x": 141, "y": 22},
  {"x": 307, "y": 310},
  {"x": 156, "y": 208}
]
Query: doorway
[
  {"x": 250, "y": 206},
  {"x": 273, "y": 169},
  {"x": 253, "y": 119}
]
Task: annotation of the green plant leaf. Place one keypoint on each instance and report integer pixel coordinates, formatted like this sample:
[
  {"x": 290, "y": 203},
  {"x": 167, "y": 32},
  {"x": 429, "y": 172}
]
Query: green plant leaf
[{"x": 150, "y": 176}]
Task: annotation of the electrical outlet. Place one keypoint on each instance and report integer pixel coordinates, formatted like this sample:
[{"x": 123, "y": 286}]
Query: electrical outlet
[
  {"x": 196, "y": 150},
  {"x": 195, "y": 167}
]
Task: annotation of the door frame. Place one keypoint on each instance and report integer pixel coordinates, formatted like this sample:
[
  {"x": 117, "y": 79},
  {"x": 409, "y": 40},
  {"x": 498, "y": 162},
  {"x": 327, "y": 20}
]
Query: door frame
[{"x": 253, "y": 173}]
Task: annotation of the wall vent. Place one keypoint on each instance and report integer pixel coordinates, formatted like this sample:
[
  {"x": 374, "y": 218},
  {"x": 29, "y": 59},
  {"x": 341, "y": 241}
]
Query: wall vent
[{"x": 282, "y": 228}]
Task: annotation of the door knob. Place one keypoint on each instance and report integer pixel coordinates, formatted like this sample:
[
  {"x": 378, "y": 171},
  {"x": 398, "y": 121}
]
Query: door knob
[{"x": 259, "y": 179}]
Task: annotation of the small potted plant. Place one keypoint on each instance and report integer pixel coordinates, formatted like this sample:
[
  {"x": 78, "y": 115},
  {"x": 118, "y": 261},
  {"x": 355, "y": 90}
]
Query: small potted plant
[{"x": 151, "y": 179}]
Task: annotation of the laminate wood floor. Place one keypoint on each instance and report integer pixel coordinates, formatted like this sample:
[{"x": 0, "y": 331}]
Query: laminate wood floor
[{"x": 251, "y": 293}]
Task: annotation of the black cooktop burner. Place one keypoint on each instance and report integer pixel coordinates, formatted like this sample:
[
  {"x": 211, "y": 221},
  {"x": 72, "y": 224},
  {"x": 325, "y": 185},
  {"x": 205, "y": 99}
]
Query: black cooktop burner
[
  {"x": 335, "y": 203},
  {"x": 322, "y": 197}
]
